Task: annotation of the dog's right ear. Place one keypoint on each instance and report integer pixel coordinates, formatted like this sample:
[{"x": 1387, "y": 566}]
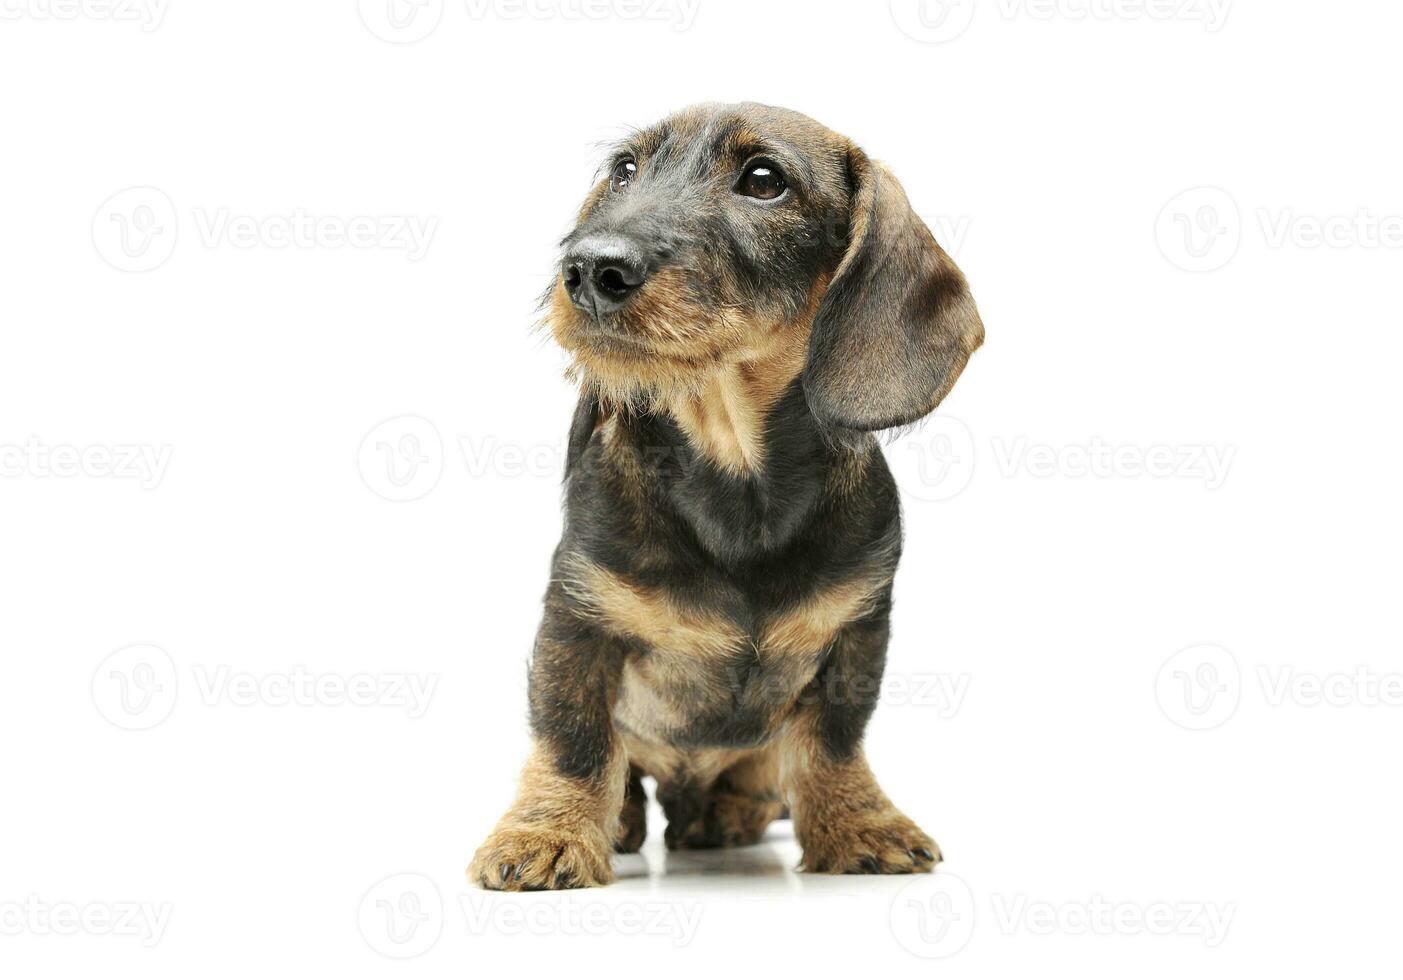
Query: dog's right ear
[{"x": 897, "y": 324}]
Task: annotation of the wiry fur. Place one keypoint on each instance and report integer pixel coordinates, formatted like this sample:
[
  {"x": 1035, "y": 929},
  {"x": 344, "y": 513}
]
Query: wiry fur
[{"x": 719, "y": 608}]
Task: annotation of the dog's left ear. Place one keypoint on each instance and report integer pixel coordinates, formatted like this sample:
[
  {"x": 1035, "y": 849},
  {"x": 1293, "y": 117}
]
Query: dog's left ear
[{"x": 897, "y": 324}]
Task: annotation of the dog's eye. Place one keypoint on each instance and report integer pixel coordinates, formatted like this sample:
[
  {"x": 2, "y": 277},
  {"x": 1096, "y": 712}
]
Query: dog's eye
[
  {"x": 763, "y": 180},
  {"x": 622, "y": 175}
]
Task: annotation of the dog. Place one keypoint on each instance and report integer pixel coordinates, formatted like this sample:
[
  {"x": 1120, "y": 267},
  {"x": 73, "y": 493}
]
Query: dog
[{"x": 746, "y": 299}]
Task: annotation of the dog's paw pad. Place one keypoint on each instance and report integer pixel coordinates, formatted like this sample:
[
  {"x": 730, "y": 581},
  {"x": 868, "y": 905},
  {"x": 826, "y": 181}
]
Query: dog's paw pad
[
  {"x": 530, "y": 859},
  {"x": 882, "y": 843}
]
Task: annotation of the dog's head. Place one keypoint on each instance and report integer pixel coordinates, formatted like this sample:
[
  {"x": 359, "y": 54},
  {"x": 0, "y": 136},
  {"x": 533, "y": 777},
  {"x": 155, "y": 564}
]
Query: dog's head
[{"x": 724, "y": 233}]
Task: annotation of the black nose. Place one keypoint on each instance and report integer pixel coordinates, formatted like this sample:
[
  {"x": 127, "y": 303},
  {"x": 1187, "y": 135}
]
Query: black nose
[{"x": 602, "y": 272}]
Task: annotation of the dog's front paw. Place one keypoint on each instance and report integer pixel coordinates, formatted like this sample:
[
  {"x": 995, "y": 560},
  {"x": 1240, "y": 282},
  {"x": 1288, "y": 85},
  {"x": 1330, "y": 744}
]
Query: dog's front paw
[
  {"x": 540, "y": 858},
  {"x": 870, "y": 842}
]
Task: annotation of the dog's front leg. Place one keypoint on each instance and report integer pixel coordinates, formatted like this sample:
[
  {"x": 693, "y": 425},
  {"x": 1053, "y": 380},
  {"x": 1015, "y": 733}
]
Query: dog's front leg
[
  {"x": 842, "y": 819},
  {"x": 560, "y": 831}
]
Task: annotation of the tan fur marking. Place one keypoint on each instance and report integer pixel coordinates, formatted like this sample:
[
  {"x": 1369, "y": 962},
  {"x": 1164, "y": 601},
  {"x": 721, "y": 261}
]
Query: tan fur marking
[
  {"x": 722, "y": 423},
  {"x": 811, "y": 626},
  {"x": 649, "y": 615},
  {"x": 725, "y": 417},
  {"x": 669, "y": 764},
  {"x": 643, "y": 706}
]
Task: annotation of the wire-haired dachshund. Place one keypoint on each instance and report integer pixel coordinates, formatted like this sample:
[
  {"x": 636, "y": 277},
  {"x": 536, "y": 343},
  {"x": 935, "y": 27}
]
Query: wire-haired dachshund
[{"x": 746, "y": 298}]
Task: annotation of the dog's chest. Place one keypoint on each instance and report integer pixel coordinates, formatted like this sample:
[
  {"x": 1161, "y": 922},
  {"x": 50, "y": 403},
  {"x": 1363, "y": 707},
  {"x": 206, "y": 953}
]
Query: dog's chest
[
  {"x": 723, "y": 674},
  {"x": 728, "y": 691}
]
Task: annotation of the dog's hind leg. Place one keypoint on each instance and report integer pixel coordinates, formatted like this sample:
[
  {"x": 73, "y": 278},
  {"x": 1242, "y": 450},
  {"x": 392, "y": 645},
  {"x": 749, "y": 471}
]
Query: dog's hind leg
[
  {"x": 633, "y": 818},
  {"x": 736, "y": 808}
]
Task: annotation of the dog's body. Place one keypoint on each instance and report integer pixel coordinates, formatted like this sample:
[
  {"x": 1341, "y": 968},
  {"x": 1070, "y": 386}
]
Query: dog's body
[{"x": 718, "y": 611}]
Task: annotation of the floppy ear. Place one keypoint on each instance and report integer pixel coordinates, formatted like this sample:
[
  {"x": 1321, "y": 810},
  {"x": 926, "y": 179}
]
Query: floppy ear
[{"x": 897, "y": 324}]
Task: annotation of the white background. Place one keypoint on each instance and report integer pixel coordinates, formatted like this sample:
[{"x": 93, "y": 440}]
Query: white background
[{"x": 1069, "y": 531}]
